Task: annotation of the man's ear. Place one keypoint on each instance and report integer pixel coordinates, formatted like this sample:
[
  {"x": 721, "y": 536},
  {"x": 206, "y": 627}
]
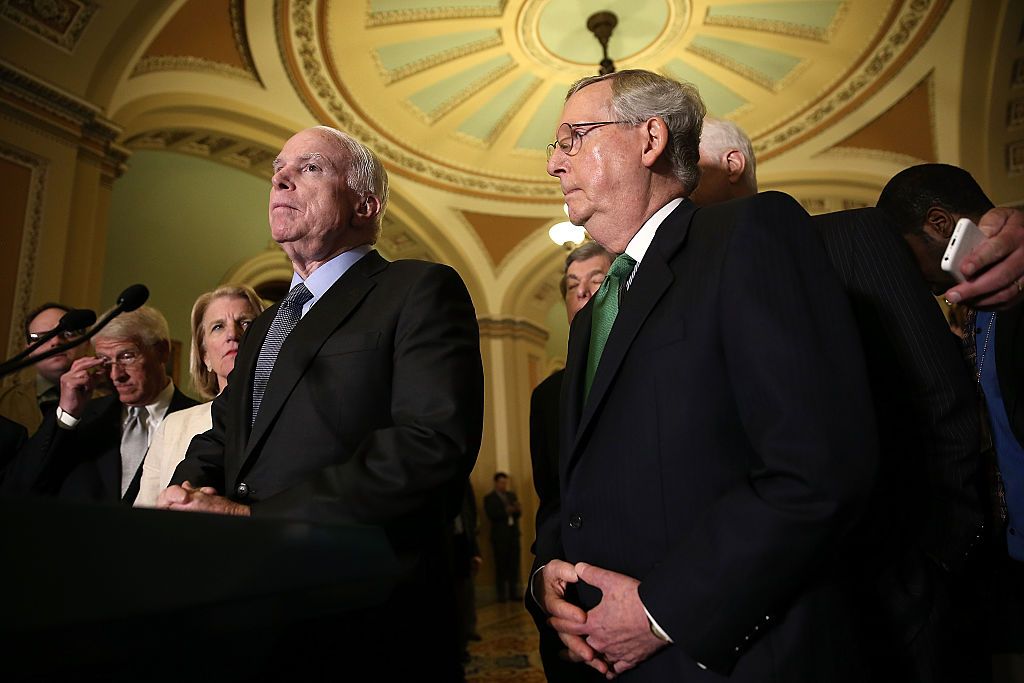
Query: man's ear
[
  {"x": 939, "y": 222},
  {"x": 655, "y": 142},
  {"x": 368, "y": 207},
  {"x": 736, "y": 163},
  {"x": 163, "y": 351}
]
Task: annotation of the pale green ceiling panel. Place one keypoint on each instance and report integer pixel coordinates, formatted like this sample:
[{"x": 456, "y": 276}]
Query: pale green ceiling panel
[
  {"x": 401, "y": 59},
  {"x": 438, "y": 99},
  {"x": 810, "y": 18},
  {"x": 490, "y": 118},
  {"x": 640, "y": 22},
  {"x": 719, "y": 100},
  {"x": 541, "y": 128},
  {"x": 759, "y": 64}
]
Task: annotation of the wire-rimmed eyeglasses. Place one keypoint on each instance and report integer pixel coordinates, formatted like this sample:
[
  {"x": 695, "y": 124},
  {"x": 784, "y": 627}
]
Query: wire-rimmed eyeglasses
[{"x": 569, "y": 136}]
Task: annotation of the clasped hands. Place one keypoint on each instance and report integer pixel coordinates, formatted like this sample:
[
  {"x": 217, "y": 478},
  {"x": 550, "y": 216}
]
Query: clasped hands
[
  {"x": 612, "y": 637},
  {"x": 204, "y": 499}
]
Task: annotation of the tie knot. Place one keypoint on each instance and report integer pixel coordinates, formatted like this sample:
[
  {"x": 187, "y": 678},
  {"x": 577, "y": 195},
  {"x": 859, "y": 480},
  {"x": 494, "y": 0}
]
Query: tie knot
[
  {"x": 622, "y": 266},
  {"x": 298, "y": 296}
]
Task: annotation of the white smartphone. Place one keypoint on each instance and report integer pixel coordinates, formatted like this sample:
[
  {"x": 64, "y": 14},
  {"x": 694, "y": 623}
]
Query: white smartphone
[{"x": 966, "y": 236}]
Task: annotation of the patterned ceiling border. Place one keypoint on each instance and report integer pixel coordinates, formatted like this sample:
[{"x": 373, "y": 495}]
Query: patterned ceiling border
[
  {"x": 913, "y": 25},
  {"x": 60, "y": 22},
  {"x": 237, "y": 9},
  {"x": 244, "y": 155},
  {"x": 785, "y": 28},
  {"x": 38, "y": 168},
  {"x": 431, "y": 13},
  {"x": 306, "y": 70},
  {"x": 148, "y": 65}
]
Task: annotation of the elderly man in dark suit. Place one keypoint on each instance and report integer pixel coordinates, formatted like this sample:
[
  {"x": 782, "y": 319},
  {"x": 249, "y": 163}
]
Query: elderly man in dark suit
[
  {"x": 93, "y": 448},
  {"x": 357, "y": 399},
  {"x": 718, "y": 441}
]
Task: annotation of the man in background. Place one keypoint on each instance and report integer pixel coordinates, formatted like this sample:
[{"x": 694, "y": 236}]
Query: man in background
[
  {"x": 25, "y": 397},
  {"x": 727, "y": 164},
  {"x": 93, "y": 448},
  {"x": 925, "y": 203},
  {"x": 582, "y": 275},
  {"x": 503, "y": 510}
]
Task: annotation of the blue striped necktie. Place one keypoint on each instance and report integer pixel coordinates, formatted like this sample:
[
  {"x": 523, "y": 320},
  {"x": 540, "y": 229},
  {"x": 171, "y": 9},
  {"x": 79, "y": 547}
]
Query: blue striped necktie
[{"x": 285, "y": 320}]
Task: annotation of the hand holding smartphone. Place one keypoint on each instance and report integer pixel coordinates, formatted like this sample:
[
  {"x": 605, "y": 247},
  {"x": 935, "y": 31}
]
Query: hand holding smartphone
[{"x": 966, "y": 236}]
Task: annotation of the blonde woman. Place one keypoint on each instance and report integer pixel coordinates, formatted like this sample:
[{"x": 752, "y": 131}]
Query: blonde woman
[{"x": 219, "y": 318}]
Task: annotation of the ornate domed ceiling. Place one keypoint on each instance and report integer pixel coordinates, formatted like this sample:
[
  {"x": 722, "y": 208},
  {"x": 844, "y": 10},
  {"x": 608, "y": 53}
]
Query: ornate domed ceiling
[{"x": 465, "y": 94}]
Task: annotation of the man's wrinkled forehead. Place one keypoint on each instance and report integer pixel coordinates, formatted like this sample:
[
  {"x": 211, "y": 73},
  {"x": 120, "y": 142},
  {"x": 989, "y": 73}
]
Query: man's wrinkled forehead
[{"x": 310, "y": 146}]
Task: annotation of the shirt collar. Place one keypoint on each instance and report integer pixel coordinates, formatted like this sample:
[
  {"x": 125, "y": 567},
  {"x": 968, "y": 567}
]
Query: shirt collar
[
  {"x": 324, "y": 277},
  {"x": 637, "y": 246},
  {"x": 156, "y": 410}
]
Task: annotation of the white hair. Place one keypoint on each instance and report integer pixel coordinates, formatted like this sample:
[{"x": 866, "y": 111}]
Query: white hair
[{"x": 720, "y": 136}]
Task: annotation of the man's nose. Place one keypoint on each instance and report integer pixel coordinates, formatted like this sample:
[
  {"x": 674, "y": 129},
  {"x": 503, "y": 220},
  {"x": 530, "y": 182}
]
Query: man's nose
[
  {"x": 282, "y": 179},
  {"x": 556, "y": 163}
]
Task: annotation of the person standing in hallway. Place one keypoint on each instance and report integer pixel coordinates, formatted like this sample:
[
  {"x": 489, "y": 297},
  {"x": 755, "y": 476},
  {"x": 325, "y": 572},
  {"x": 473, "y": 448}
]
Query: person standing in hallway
[{"x": 502, "y": 508}]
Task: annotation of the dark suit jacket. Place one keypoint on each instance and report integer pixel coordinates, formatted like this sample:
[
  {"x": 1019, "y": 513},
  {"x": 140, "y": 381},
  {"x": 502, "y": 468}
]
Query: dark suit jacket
[
  {"x": 12, "y": 438},
  {"x": 82, "y": 463},
  {"x": 502, "y": 533},
  {"x": 925, "y": 516},
  {"x": 544, "y": 439},
  {"x": 372, "y": 415},
  {"x": 726, "y": 447}
]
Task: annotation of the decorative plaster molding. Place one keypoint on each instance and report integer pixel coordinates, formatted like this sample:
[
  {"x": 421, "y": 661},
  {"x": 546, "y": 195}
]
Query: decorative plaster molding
[
  {"x": 901, "y": 37},
  {"x": 237, "y": 9},
  {"x": 511, "y": 328},
  {"x": 65, "y": 117},
  {"x": 431, "y": 13},
  {"x": 60, "y": 22},
  {"x": 242, "y": 154},
  {"x": 781, "y": 27},
  {"x": 297, "y": 32},
  {"x": 196, "y": 64},
  {"x": 29, "y": 240}
]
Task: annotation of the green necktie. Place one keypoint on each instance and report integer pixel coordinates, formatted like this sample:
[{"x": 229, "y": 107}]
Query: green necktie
[{"x": 606, "y": 307}]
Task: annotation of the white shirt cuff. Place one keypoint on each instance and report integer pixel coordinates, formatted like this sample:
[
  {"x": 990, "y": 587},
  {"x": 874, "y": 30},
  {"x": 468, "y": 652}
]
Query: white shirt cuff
[
  {"x": 66, "y": 420},
  {"x": 532, "y": 595},
  {"x": 655, "y": 628}
]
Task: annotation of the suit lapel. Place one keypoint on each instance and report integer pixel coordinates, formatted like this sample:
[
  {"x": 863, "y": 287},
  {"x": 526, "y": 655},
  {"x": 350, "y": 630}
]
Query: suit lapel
[
  {"x": 304, "y": 342},
  {"x": 652, "y": 280},
  {"x": 571, "y": 398}
]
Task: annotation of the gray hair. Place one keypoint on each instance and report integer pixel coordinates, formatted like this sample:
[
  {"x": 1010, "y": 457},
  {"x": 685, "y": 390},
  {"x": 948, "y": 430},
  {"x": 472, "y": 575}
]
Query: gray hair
[
  {"x": 145, "y": 325},
  {"x": 366, "y": 175},
  {"x": 587, "y": 250},
  {"x": 720, "y": 136},
  {"x": 639, "y": 95}
]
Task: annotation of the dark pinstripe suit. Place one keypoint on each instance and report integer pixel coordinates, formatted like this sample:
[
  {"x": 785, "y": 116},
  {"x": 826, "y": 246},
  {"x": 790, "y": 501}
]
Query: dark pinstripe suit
[{"x": 925, "y": 515}]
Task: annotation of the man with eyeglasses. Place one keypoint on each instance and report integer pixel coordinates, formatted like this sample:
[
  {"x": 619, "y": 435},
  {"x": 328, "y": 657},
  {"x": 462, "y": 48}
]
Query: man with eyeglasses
[
  {"x": 92, "y": 448},
  {"x": 26, "y": 396},
  {"x": 717, "y": 439}
]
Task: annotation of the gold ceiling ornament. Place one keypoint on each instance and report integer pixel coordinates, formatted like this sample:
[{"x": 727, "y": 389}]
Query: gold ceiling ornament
[{"x": 465, "y": 96}]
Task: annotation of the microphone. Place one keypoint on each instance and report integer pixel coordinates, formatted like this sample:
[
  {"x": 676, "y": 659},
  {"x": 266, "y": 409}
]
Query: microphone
[
  {"x": 76, "y": 319},
  {"x": 130, "y": 299}
]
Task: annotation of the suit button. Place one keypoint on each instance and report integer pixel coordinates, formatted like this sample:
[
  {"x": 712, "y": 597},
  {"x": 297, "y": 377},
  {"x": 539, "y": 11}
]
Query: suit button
[
  {"x": 576, "y": 521},
  {"x": 243, "y": 490}
]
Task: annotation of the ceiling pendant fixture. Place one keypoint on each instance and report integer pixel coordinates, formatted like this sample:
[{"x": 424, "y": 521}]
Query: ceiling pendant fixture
[{"x": 601, "y": 24}]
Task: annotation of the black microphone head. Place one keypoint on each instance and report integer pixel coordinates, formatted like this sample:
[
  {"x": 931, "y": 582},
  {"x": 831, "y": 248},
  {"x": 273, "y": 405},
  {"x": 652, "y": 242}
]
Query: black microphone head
[
  {"x": 77, "y": 319},
  {"x": 133, "y": 297}
]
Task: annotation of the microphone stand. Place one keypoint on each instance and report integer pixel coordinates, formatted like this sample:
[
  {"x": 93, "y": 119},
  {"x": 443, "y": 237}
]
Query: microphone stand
[{"x": 14, "y": 364}]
